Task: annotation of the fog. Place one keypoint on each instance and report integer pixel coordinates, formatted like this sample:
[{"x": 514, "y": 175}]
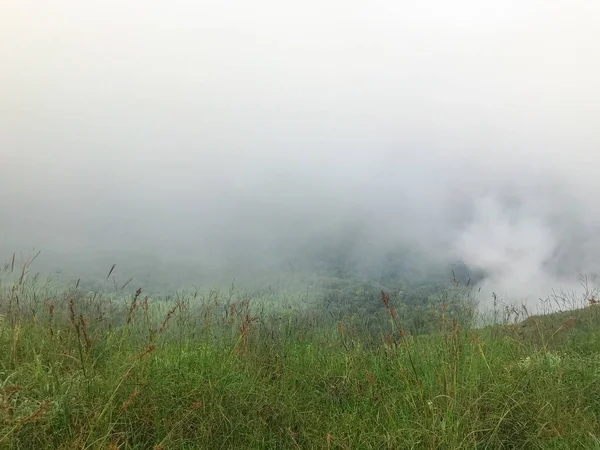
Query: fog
[{"x": 230, "y": 135}]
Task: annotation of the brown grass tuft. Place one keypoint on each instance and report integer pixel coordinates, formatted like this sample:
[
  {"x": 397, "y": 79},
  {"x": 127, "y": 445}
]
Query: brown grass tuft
[
  {"x": 38, "y": 413},
  {"x": 127, "y": 403},
  {"x": 145, "y": 352}
]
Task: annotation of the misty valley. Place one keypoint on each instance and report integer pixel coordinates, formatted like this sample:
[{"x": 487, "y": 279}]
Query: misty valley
[{"x": 320, "y": 352}]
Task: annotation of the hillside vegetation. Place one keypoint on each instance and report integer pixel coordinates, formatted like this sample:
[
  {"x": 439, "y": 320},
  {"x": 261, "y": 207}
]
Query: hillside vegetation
[{"x": 255, "y": 370}]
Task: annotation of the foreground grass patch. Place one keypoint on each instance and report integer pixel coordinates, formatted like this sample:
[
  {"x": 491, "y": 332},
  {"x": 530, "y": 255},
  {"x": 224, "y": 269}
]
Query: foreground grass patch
[{"x": 79, "y": 371}]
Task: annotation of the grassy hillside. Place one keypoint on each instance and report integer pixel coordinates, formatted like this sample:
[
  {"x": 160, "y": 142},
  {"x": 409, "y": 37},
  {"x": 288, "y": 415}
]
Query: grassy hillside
[{"x": 229, "y": 370}]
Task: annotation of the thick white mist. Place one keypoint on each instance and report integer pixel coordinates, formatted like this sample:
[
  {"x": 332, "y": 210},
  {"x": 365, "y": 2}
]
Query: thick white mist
[
  {"x": 227, "y": 133},
  {"x": 511, "y": 247}
]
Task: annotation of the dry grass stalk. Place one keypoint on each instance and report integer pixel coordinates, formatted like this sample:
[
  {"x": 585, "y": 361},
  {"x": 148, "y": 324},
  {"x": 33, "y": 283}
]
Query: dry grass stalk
[
  {"x": 51, "y": 318},
  {"x": 167, "y": 318},
  {"x": 83, "y": 326},
  {"x": 133, "y": 305}
]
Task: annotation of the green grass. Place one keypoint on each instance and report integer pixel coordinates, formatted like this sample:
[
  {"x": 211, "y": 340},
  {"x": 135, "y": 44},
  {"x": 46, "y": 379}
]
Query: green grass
[{"x": 92, "y": 372}]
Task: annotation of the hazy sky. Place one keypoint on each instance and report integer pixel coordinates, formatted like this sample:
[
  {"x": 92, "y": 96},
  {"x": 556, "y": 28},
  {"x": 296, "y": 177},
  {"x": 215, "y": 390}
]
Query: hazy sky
[{"x": 216, "y": 127}]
